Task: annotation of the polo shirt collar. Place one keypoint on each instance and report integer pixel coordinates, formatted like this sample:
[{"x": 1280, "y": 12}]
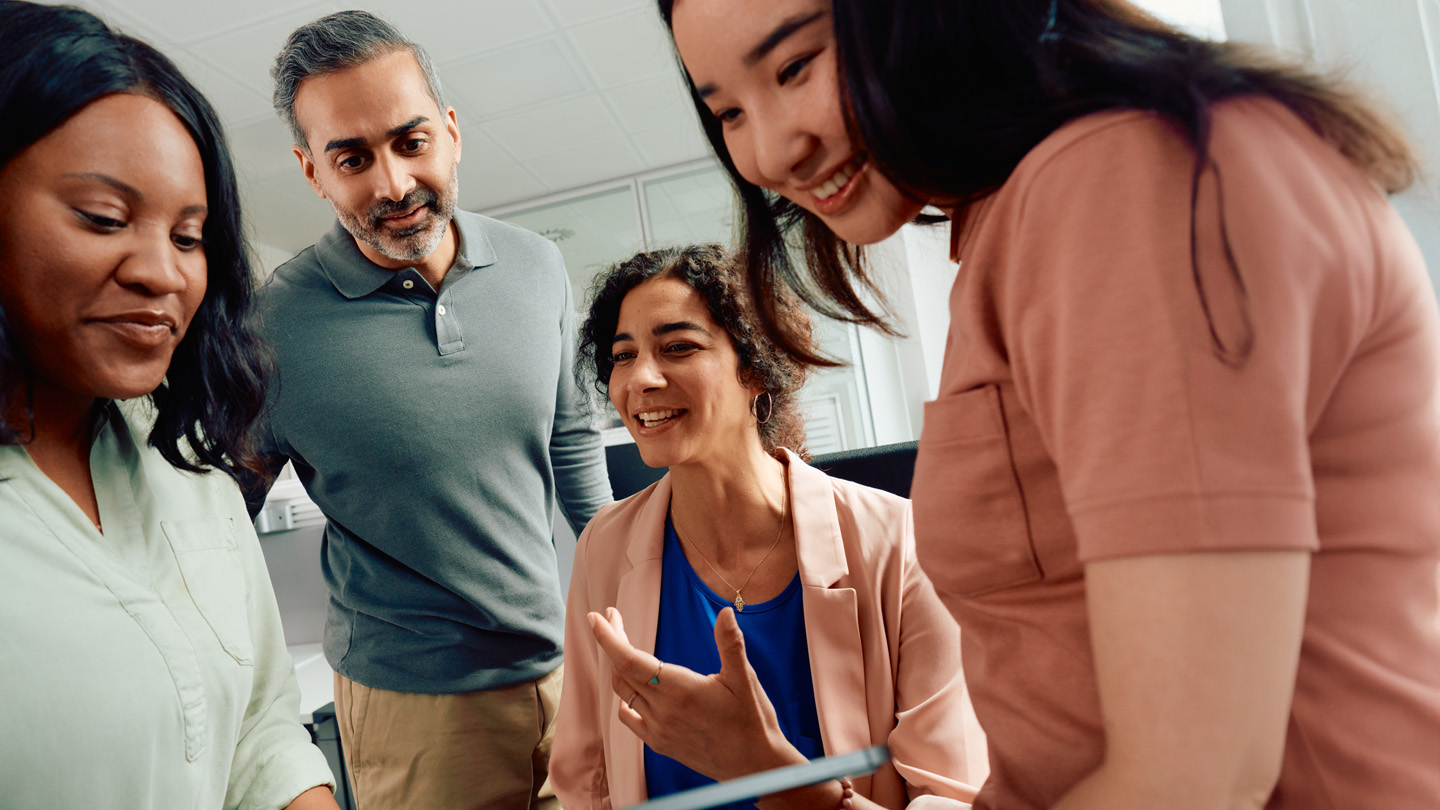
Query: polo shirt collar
[{"x": 355, "y": 276}]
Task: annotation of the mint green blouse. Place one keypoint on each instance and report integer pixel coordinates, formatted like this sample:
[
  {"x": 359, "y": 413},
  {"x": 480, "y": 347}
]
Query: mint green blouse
[{"x": 145, "y": 667}]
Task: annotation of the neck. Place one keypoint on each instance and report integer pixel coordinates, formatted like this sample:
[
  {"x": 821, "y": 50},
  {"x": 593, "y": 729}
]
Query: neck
[
  {"x": 750, "y": 491},
  {"x": 62, "y": 419}
]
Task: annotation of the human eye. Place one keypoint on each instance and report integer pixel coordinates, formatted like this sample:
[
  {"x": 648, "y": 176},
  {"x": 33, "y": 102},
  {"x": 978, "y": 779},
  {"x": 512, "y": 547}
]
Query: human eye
[
  {"x": 187, "y": 242},
  {"x": 99, "y": 222},
  {"x": 621, "y": 356},
  {"x": 727, "y": 115},
  {"x": 350, "y": 162},
  {"x": 793, "y": 68},
  {"x": 681, "y": 349},
  {"x": 414, "y": 145}
]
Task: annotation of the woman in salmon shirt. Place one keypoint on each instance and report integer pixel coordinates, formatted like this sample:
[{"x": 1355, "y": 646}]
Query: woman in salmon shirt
[
  {"x": 1179, "y": 483},
  {"x": 844, "y": 643}
]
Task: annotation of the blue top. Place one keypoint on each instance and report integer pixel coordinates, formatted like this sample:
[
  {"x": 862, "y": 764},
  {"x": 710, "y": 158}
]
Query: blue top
[
  {"x": 774, "y": 642},
  {"x": 435, "y": 429}
]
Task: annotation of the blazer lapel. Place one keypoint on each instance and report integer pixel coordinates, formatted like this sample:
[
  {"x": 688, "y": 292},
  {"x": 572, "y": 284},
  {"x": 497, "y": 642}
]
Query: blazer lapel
[
  {"x": 832, "y": 625},
  {"x": 638, "y": 600}
]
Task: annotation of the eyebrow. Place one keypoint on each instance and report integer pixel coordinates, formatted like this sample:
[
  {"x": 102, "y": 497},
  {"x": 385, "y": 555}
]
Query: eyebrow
[
  {"x": 665, "y": 329},
  {"x": 130, "y": 191},
  {"x": 395, "y": 132},
  {"x": 768, "y": 44}
]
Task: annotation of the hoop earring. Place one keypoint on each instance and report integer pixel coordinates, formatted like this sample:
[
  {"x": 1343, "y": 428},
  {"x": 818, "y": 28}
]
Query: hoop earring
[{"x": 769, "y": 407}]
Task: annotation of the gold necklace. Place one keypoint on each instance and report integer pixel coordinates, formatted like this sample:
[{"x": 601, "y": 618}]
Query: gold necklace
[{"x": 740, "y": 600}]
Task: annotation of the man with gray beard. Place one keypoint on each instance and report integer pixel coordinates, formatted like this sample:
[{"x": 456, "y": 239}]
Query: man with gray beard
[{"x": 425, "y": 397}]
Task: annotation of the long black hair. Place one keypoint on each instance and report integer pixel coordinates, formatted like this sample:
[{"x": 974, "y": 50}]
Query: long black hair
[
  {"x": 58, "y": 59},
  {"x": 947, "y": 96}
]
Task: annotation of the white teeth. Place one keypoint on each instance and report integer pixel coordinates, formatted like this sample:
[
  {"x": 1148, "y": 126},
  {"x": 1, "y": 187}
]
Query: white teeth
[
  {"x": 653, "y": 418},
  {"x": 836, "y": 182}
]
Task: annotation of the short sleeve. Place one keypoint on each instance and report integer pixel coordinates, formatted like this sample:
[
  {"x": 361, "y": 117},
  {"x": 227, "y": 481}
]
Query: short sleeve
[{"x": 1115, "y": 341}]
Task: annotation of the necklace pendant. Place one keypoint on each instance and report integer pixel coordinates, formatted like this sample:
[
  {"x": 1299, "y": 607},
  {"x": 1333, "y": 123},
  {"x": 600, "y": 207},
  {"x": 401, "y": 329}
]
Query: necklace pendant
[{"x": 739, "y": 602}]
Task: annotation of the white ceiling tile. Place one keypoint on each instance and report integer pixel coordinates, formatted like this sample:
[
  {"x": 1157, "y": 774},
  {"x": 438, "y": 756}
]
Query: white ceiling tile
[
  {"x": 187, "y": 21},
  {"x": 453, "y": 30},
  {"x": 489, "y": 186},
  {"x": 573, "y": 12},
  {"x": 513, "y": 78},
  {"x": 247, "y": 53},
  {"x": 264, "y": 148},
  {"x": 283, "y": 217},
  {"x": 478, "y": 149},
  {"x": 556, "y": 128},
  {"x": 676, "y": 143},
  {"x": 238, "y": 103},
  {"x": 591, "y": 163},
  {"x": 653, "y": 103},
  {"x": 625, "y": 48}
]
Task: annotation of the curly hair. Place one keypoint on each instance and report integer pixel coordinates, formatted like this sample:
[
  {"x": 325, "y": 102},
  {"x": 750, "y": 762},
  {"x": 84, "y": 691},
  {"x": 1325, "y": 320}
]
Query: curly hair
[
  {"x": 715, "y": 275},
  {"x": 58, "y": 59}
]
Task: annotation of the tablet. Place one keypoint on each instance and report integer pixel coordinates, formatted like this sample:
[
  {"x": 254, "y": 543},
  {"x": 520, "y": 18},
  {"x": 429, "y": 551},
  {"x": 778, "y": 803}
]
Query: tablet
[{"x": 755, "y": 785}]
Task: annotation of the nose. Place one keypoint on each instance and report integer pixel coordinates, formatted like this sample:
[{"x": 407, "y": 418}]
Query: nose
[
  {"x": 392, "y": 180},
  {"x": 781, "y": 144},
  {"x": 645, "y": 375},
  {"x": 154, "y": 265}
]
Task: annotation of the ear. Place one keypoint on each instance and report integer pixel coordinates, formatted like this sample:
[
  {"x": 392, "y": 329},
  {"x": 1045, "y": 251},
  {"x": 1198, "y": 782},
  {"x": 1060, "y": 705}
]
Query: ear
[
  {"x": 453, "y": 127},
  {"x": 307, "y": 168}
]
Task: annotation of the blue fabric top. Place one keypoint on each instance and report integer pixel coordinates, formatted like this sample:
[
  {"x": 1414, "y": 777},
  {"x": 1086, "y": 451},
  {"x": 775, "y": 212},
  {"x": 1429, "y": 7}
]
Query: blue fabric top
[{"x": 774, "y": 642}]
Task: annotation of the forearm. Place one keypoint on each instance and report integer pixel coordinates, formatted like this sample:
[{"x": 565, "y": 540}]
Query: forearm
[
  {"x": 316, "y": 798},
  {"x": 1114, "y": 788}
]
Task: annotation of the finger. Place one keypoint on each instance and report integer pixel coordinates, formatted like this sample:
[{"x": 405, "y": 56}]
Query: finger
[
  {"x": 632, "y": 664},
  {"x": 730, "y": 644},
  {"x": 632, "y": 720}
]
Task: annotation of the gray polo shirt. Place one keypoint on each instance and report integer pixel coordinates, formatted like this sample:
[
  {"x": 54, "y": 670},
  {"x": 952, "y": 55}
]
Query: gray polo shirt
[{"x": 435, "y": 431}]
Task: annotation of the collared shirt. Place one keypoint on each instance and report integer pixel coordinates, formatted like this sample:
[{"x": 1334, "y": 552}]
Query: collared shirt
[
  {"x": 435, "y": 429},
  {"x": 146, "y": 666}
]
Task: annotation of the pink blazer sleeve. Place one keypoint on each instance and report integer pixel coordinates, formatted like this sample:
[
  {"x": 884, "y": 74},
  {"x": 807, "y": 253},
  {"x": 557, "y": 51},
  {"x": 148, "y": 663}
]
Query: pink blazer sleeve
[{"x": 577, "y": 760}]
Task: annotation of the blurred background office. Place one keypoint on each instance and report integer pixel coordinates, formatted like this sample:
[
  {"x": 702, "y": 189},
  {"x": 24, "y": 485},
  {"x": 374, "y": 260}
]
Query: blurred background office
[{"x": 576, "y": 125}]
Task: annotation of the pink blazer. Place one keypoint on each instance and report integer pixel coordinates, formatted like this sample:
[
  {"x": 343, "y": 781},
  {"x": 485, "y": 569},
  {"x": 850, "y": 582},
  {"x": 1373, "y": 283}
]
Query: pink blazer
[{"x": 884, "y": 652}]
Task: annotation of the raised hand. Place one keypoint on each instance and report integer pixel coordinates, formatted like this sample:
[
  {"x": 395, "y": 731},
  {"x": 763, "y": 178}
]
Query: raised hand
[{"x": 721, "y": 725}]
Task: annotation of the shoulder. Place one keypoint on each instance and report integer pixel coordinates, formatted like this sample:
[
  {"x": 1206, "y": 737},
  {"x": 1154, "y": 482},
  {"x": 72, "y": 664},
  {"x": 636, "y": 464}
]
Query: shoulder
[
  {"x": 293, "y": 279},
  {"x": 512, "y": 242},
  {"x": 874, "y": 525},
  {"x": 187, "y": 496}
]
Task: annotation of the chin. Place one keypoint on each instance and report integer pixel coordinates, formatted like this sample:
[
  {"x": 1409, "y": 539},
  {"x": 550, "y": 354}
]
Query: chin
[{"x": 128, "y": 383}]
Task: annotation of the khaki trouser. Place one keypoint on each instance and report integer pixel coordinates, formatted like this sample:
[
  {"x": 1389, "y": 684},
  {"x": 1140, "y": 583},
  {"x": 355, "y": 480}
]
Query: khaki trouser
[{"x": 474, "y": 750}]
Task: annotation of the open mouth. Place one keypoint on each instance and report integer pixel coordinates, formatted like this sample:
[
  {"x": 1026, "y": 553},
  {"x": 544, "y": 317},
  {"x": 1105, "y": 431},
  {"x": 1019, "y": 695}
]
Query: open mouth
[
  {"x": 838, "y": 181},
  {"x": 652, "y": 419}
]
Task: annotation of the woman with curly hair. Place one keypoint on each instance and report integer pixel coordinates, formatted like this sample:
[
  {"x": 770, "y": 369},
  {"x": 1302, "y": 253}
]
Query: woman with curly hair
[
  {"x": 142, "y": 662},
  {"x": 827, "y": 638}
]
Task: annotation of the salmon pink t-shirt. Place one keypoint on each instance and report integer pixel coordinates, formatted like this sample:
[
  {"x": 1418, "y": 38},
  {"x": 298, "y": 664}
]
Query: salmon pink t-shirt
[{"x": 1087, "y": 411}]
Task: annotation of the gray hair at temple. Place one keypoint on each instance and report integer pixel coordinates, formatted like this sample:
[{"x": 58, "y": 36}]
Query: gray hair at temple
[{"x": 337, "y": 42}]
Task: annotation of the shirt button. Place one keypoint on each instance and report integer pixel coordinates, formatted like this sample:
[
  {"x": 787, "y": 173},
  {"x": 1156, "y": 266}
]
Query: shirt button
[
  {"x": 440, "y": 309},
  {"x": 407, "y": 284}
]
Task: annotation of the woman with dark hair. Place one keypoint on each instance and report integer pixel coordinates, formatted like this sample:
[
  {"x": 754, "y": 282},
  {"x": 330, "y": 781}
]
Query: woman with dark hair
[
  {"x": 827, "y": 638},
  {"x": 142, "y": 662},
  {"x": 1178, "y": 486}
]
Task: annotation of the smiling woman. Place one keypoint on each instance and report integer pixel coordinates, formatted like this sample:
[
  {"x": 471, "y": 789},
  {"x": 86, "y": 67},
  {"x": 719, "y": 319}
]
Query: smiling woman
[
  {"x": 827, "y": 637},
  {"x": 1177, "y": 485},
  {"x": 128, "y": 369}
]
